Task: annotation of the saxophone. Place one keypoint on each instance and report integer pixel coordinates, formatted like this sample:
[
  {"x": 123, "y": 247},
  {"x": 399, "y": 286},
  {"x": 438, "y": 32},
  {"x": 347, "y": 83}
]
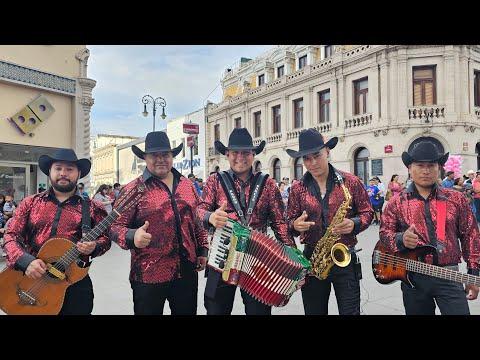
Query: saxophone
[{"x": 327, "y": 250}]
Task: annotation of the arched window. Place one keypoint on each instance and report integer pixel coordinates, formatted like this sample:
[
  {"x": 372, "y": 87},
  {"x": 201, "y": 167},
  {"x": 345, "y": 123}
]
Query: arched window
[
  {"x": 361, "y": 164},
  {"x": 257, "y": 167},
  {"x": 298, "y": 170},
  {"x": 276, "y": 170}
]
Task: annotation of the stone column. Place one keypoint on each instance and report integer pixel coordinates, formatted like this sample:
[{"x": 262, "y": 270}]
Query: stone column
[
  {"x": 402, "y": 95},
  {"x": 289, "y": 62},
  {"x": 449, "y": 101},
  {"x": 384, "y": 91},
  {"x": 307, "y": 107}
]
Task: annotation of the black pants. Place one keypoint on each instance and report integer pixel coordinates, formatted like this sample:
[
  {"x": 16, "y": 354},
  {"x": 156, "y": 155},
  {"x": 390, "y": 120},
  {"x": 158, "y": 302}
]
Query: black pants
[
  {"x": 149, "y": 299},
  {"x": 346, "y": 282},
  {"x": 223, "y": 302},
  {"x": 78, "y": 298},
  {"x": 449, "y": 296}
]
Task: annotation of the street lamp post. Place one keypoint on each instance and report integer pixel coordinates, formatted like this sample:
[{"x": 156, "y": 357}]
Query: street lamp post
[{"x": 159, "y": 101}]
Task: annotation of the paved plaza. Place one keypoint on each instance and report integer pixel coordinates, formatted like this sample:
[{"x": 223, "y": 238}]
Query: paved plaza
[{"x": 113, "y": 295}]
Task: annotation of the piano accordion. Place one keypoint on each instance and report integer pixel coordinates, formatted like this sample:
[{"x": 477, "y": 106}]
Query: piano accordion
[{"x": 256, "y": 262}]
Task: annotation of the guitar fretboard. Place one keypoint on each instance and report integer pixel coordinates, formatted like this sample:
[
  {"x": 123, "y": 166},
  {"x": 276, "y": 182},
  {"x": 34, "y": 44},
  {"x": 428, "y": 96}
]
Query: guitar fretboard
[{"x": 442, "y": 273}]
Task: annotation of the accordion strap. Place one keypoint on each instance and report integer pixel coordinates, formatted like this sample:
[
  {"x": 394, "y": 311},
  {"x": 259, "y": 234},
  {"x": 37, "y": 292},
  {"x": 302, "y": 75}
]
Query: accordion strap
[{"x": 255, "y": 192}]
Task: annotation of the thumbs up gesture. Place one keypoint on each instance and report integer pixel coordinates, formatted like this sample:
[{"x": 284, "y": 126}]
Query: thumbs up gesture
[
  {"x": 410, "y": 238},
  {"x": 219, "y": 217},
  {"x": 142, "y": 238},
  {"x": 300, "y": 224}
]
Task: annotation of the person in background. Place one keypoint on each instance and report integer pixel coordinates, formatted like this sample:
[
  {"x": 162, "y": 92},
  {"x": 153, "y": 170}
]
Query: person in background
[
  {"x": 284, "y": 192},
  {"x": 192, "y": 178},
  {"x": 394, "y": 187},
  {"x": 449, "y": 180},
  {"x": 116, "y": 190},
  {"x": 200, "y": 185},
  {"x": 476, "y": 194},
  {"x": 8, "y": 207},
  {"x": 102, "y": 196},
  {"x": 381, "y": 193},
  {"x": 470, "y": 176},
  {"x": 374, "y": 195},
  {"x": 81, "y": 191}
]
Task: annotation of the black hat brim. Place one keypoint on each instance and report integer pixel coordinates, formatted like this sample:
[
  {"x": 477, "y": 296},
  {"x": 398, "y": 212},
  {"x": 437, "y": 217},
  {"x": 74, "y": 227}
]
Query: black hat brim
[
  {"x": 141, "y": 154},
  {"x": 408, "y": 160},
  {"x": 222, "y": 149},
  {"x": 45, "y": 163},
  {"x": 296, "y": 154}
]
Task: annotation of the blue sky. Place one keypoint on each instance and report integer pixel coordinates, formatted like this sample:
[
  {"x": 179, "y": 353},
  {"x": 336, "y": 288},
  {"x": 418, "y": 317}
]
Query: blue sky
[{"x": 184, "y": 75}]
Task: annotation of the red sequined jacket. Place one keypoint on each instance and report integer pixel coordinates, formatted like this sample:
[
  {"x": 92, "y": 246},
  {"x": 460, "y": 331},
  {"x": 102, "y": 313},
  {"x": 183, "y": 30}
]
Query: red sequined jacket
[
  {"x": 40, "y": 217},
  {"x": 409, "y": 208},
  {"x": 305, "y": 196},
  {"x": 269, "y": 207},
  {"x": 175, "y": 233}
]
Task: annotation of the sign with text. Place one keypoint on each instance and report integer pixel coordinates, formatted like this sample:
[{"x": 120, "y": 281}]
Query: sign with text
[
  {"x": 191, "y": 128},
  {"x": 190, "y": 141},
  {"x": 388, "y": 149}
]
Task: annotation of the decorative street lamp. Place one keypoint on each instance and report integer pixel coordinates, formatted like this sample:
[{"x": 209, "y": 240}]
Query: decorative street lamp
[{"x": 159, "y": 101}]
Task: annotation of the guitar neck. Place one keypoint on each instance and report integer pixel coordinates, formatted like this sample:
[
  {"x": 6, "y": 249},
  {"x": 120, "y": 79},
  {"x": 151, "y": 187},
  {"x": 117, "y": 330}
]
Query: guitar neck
[
  {"x": 93, "y": 234},
  {"x": 442, "y": 273}
]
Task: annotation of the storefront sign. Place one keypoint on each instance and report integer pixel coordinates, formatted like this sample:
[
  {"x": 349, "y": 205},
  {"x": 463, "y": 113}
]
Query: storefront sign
[
  {"x": 191, "y": 128},
  {"x": 388, "y": 149},
  {"x": 32, "y": 115}
]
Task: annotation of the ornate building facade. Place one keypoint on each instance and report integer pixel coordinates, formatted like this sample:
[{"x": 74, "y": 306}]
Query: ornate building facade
[
  {"x": 378, "y": 99},
  {"x": 45, "y": 103}
]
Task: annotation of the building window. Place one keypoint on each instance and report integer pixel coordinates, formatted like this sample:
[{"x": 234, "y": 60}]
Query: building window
[
  {"x": 277, "y": 165},
  {"x": 328, "y": 51},
  {"x": 276, "y": 117},
  {"x": 257, "y": 123},
  {"x": 361, "y": 164},
  {"x": 195, "y": 146},
  {"x": 298, "y": 113},
  {"x": 216, "y": 132},
  {"x": 324, "y": 106},
  {"x": 183, "y": 149},
  {"x": 238, "y": 123},
  {"x": 298, "y": 168},
  {"x": 280, "y": 71},
  {"x": 360, "y": 88},
  {"x": 302, "y": 62},
  {"x": 424, "y": 85},
  {"x": 261, "y": 79},
  {"x": 476, "y": 89}
]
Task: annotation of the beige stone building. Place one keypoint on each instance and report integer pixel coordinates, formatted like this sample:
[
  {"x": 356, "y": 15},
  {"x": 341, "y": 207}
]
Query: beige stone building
[
  {"x": 104, "y": 158},
  {"x": 378, "y": 99},
  {"x": 45, "y": 103}
]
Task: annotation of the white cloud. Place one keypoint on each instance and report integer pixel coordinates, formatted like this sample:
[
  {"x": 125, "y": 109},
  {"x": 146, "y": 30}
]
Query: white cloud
[{"x": 183, "y": 75}]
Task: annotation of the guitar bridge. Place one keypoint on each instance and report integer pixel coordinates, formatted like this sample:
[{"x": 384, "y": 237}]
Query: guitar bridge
[{"x": 26, "y": 298}]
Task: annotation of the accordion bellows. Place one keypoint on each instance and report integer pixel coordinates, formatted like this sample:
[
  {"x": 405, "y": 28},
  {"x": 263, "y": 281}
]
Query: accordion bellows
[{"x": 259, "y": 264}]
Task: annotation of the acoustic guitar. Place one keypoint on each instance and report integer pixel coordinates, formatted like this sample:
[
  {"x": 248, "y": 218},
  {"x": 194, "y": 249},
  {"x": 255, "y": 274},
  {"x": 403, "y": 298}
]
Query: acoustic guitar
[
  {"x": 21, "y": 295},
  {"x": 391, "y": 266}
]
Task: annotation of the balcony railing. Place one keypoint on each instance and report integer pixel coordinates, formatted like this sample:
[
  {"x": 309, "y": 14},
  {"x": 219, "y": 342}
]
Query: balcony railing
[
  {"x": 323, "y": 128},
  {"x": 274, "y": 138},
  {"x": 421, "y": 112},
  {"x": 358, "y": 121},
  {"x": 257, "y": 141}
]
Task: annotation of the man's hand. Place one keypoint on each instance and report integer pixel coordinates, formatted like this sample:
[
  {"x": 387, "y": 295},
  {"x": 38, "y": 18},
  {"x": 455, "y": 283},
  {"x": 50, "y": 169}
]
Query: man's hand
[
  {"x": 87, "y": 247},
  {"x": 219, "y": 217},
  {"x": 300, "y": 224},
  {"x": 141, "y": 238},
  {"x": 345, "y": 227},
  {"x": 36, "y": 269},
  {"x": 410, "y": 239},
  {"x": 472, "y": 291},
  {"x": 201, "y": 263}
]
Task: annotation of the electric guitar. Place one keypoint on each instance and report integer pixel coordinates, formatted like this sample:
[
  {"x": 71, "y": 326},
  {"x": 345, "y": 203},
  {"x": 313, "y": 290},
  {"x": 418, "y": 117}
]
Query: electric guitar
[
  {"x": 391, "y": 266},
  {"x": 21, "y": 295}
]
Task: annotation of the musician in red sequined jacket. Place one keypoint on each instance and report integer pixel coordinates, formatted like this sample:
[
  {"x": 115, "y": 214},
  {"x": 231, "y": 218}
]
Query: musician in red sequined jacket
[
  {"x": 411, "y": 218},
  {"x": 312, "y": 204},
  {"x": 167, "y": 245},
  {"x": 57, "y": 212},
  {"x": 215, "y": 207}
]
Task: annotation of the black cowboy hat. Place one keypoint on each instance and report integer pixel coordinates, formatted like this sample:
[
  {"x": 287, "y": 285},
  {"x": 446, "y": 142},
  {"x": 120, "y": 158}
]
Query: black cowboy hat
[
  {"x": 45, "y": 161},
  {"x": 156, "y": 141},
  {"x": 311, "y": 141},
  {"x": 424, "y": 151},
  {"x": 240, "y": 139}
]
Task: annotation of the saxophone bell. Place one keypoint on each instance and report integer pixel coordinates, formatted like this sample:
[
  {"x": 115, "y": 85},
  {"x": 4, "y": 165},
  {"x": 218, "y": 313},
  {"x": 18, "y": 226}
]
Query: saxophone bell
[{"x": 341, "y": 255}]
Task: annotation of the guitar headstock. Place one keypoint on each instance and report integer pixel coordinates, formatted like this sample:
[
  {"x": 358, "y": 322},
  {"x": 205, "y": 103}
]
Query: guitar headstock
[{"x": 130, "y": 198}]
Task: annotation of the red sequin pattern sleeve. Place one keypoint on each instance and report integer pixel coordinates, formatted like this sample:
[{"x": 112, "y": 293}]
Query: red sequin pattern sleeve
[
  {"x": 294, "y": 207},
  {"x": 390, "y": 234},
  {"x": 468, "y": 234}
]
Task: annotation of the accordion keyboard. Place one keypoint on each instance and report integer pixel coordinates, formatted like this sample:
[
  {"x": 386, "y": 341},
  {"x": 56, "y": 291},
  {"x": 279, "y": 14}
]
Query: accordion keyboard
[{"x": 219, "y": 248}]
